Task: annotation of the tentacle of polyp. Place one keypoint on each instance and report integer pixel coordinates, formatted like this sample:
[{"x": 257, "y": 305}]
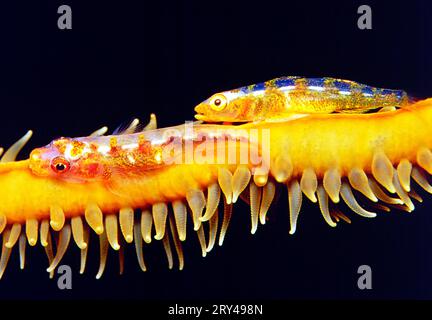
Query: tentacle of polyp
[{"x": 146, "y": 186}]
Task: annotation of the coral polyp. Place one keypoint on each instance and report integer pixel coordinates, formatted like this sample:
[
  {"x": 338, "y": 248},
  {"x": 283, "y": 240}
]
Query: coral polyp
[{"x": 144, "y": 185}]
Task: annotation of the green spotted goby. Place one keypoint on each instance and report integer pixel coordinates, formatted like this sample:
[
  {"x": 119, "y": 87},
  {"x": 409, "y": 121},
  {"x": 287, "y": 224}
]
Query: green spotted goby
[{"x": 283, "y": 97}]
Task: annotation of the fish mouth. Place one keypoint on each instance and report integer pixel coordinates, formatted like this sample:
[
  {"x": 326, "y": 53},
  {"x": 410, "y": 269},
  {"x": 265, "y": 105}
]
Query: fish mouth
[
  {"x": 199, "y": 109},
  {"x": 200, "y": 117}
]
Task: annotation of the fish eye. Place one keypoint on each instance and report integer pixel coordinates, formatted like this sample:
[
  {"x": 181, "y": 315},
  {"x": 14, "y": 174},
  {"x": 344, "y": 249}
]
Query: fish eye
[
  {"x": 218, "y": 102},
  {"x": 60, "y": 164}
]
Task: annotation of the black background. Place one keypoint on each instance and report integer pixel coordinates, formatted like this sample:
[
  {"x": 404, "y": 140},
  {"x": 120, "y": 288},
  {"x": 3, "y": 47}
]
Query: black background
[{"x": 126, "y": 59}]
